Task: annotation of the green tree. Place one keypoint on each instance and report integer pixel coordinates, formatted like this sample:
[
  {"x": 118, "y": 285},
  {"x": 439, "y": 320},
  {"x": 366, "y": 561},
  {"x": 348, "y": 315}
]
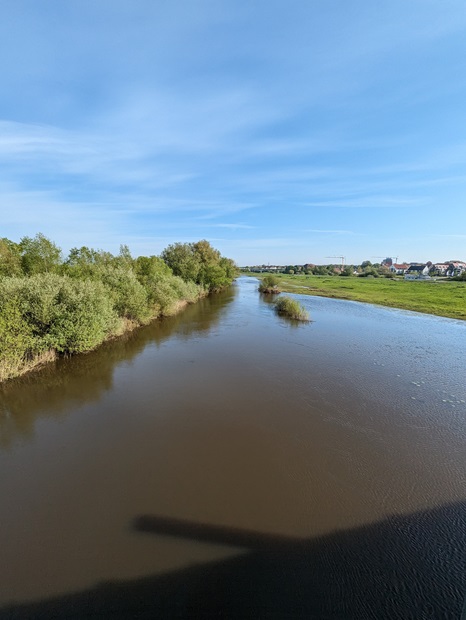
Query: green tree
[
  {"x": 10, "y": 258},
  {"x": 150, "y": 268},
  {"x": 347, "y": 271},
  {"x": 39, "y": 255},
  {"x": 183, "y": 260}
]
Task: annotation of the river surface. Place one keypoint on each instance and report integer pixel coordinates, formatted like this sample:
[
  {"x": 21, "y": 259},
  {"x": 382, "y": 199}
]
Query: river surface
[{"x": 230, "y": 463}]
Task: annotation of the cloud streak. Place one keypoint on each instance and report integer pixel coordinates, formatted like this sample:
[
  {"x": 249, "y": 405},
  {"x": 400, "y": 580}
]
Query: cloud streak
[{"x": 272, "y": 126}]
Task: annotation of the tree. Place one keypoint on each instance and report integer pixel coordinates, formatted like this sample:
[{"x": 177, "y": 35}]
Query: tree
[
  {"x": 200, "y": 263},
  {"x": 182, "y": 260},
  {"x": 124, "y": 258},
  {"x": 347, "y": 271},
  {"x": 148, "y": 268},
  {"x": 10, "y": 258},
  {"x": 216, "y": 272},
  {"x": 39, "y": 255}
]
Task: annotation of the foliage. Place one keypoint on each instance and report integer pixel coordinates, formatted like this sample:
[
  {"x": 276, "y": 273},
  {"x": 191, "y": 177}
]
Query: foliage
[
  {"x": 269, "y": 284},
  {"x": 347, "y": 271},
  {"x": 39, "y": 255},
  {"x": 183, "y": 261},
  {"x": 129, "y": 296},
  {"x": 85, "y": 262},
  {"x": 149, "y": 268},
  {"x": 369, "y": 271},
  {"x": 10, "y": 258},
  {"x": 49, "y": 312},
  {"x": 201, "y": 263},
  {"x": 291, "y": 308},
  {"x": 48, "y": 306}
]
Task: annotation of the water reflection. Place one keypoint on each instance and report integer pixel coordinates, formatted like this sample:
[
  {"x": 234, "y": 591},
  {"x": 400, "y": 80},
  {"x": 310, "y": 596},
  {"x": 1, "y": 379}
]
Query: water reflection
[
  {"x": 239, "y": 421},
  {"x": 76, "y": 381}
]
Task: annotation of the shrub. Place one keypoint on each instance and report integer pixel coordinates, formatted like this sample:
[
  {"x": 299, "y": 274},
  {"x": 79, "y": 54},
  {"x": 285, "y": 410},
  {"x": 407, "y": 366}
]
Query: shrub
[
  {"x": 85, "y": 316},
  {"x": 56, "y": 312},
  {"x": 15, "y": 334},
  {"x": 130, "y": 298},
  {"x": 291, "y": 308},
  {"x": 163, "y": 294},
  {"x": 188, "y": 291},
  {"x": 47, "y": 313},
  {"x": 269, "y": 284}
]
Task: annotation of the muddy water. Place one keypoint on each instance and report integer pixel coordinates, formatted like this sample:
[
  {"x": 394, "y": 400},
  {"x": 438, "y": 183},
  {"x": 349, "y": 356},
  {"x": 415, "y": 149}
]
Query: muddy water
[{"x": 282, "y": 469}]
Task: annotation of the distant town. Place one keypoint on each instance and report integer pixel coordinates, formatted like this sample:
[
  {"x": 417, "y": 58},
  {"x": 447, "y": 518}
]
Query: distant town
[{"x": 388, "y": 268}]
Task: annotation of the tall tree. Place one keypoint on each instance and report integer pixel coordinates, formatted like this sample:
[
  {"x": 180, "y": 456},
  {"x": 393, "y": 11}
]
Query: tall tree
[
  {"x": 183, "y": 260},
  {"x": 39, "y": 255},
  {"x": 10, "y": 258}
]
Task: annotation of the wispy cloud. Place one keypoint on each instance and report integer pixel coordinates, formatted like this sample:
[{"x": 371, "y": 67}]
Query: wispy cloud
[
  {"x": 232, "y": 226},
  {"x": 331, "y": 232},
  {"x": 234, "y": 118}
]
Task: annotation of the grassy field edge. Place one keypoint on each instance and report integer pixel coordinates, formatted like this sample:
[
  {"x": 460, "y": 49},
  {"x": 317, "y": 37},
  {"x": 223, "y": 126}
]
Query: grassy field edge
[{"x": 444, "y": 298}]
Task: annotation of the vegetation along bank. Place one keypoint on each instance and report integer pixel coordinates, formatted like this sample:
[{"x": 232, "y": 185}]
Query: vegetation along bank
[
  {"x": 51, "y": 305},
  {"x": 441, "y": 297}
]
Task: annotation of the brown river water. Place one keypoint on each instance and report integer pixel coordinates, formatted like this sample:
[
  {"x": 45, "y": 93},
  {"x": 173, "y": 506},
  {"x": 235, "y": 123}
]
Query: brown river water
[{"x": 229, "y": 463}]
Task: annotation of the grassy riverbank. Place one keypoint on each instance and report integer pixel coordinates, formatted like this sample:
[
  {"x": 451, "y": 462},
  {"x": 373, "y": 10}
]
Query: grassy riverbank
[
  {"x": 51, "y": 307},
  {"x": 442, "y": 297}
]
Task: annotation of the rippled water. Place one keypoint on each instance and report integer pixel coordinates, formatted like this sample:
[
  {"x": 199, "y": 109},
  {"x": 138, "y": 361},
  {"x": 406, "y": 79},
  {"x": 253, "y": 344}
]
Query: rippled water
[{"x": 284, "y": 470}]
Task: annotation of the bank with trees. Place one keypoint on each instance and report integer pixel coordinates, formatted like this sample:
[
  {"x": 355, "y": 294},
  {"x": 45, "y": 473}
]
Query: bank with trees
[{"x": 52, "y": 305}]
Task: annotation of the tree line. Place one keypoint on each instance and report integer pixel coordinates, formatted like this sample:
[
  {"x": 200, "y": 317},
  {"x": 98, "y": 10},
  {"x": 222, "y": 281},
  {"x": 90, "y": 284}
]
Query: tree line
[
  {"x": 365, "y": 269},
  {"x": 54, "y": 305}
]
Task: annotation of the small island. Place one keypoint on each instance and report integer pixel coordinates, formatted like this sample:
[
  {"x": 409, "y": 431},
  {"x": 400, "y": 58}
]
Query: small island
[
  {"x": 269, "y": 285},
  {"x": 286, "y": 306}
]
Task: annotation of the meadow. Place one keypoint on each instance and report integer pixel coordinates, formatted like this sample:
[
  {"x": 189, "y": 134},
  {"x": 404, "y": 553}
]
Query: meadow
[{"x": 440, "y": 297}]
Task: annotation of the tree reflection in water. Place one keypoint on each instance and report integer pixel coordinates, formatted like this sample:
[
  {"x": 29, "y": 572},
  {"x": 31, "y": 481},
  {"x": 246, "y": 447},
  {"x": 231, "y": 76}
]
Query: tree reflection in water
[{"x": 79, "y": 380}]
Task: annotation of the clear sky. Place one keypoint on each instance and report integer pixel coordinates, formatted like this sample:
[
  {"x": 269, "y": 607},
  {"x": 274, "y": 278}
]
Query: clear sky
[{"x": 281, "y": 131}]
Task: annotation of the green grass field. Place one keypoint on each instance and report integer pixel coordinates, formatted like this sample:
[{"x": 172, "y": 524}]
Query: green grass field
[{"x": 440, "y": 297}]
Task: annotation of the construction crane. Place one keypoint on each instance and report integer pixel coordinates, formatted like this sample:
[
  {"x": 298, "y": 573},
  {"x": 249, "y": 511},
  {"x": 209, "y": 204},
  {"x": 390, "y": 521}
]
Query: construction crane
[{"x": 342, "y": 258}]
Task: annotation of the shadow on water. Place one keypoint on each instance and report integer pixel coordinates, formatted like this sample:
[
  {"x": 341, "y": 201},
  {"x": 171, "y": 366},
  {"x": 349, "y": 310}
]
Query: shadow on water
[
  {"x": 84, "y": 378},
  {"x": 379, "y": 571}
]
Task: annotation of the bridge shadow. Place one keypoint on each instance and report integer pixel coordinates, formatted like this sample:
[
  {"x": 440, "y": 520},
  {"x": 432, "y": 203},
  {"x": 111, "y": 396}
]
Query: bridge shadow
[{"x": 405, "y": 567}]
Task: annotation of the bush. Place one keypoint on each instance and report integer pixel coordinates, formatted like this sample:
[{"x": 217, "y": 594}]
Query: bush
[
  {"x": 85, "y": 316},
  {"x": 163, "y": 294},
  {"x": 49, "y": 306},
  {"x": 16, "y": 338},
  {"x": 188, "y": 291},
  {"x": 130, "y": 298},
  {"x": 291, "y": 308},
  {"x": 48, "y": 313},
  {"x": 269, "y": 284}
]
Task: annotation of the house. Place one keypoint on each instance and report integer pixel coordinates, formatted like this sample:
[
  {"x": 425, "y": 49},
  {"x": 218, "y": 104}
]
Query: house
[
  {"x": 441, "y": 268},
  {"x": 416, "y": 271},
  {"x": 399, "y": 268},
  {"x": 455, "y": 268}
]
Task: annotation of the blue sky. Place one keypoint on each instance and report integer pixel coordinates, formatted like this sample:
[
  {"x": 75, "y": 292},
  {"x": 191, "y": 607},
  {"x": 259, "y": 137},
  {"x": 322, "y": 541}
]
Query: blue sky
[{"x": 282, "y": 132}]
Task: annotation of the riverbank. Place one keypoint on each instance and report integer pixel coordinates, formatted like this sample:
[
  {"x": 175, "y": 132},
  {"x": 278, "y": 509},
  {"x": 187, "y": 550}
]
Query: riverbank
[
  {"x": 439, "y": 297},
  {"x": 19, "y": 364},
  {"x": 50, "y": 307}
]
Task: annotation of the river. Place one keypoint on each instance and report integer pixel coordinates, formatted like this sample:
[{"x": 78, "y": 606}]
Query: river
[{"x": 230, "y": 463}]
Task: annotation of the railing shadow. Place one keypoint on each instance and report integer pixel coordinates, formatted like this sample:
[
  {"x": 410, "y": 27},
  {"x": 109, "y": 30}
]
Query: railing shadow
[{"x": 406, "y": 567}]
